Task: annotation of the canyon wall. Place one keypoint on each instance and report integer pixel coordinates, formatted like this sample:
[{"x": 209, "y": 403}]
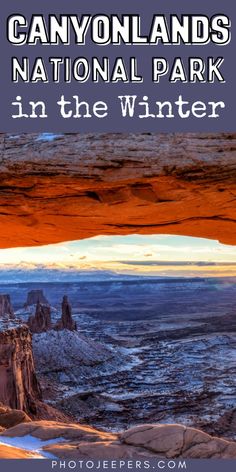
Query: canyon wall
[
  {"x": 6, "y": 309},
  {"x": 41, "y": 321},
  {"x": 34, "y": 297},
  {"x": 19, "y": 388},
  {"x": 83, "y": 185}
]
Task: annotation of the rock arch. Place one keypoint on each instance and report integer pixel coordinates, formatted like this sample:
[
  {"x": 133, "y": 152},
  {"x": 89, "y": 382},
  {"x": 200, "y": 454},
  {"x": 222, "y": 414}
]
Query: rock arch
[{"x": 83, "y": 185}]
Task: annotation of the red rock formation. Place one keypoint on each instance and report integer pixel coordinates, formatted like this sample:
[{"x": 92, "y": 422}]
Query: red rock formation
[
  {"x": 19, "y": 388},
  {"x": 150, "y": 441},
  {"x": 6, "y": 310},
  {"x": 84, "y": 185},
  {"x": 10, "y": 418},
  {"x": 9, "y": 452},
  {"x": 41, "y": 321},
  {"x": 35, "y": 296},
  {"x": 66, "y": 317},
  {"x": 66, "y": 321}
]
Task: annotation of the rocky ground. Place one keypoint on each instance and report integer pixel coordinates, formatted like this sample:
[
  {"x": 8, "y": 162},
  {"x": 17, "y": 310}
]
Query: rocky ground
[
  {"x": 177, "y": 365},
  {"x": 176, "y": 375},
  {"x": 149, "y": 441}
]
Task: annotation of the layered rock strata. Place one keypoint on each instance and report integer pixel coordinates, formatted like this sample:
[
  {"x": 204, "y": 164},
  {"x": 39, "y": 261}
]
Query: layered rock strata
[
  {"x": 6, "y": 309},
  {"x": 66, "y": 321},
  {"x": 41, "y": 321},
  {"x": 151, "y": 441},
  {"x": 34, "y": 297},
  {"x": 19, "y": 388},
  {"x": 10, "y": 418},
  {"x": 83, "y": 185}
]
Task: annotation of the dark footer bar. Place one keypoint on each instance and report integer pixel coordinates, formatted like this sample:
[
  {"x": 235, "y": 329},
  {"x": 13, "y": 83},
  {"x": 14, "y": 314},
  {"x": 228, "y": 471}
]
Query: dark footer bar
[{"x": 42, "y": 465}]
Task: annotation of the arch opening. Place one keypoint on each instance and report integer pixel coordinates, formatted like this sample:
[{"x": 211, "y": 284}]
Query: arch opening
[{"x": 158, "y": 313}]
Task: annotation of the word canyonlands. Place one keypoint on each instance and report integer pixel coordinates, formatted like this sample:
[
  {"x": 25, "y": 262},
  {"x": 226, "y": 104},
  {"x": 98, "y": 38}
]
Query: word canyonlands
[{"x": 112, "y": 29}]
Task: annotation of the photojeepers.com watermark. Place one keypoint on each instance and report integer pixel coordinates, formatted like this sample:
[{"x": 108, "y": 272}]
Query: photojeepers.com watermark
[{"x": 159, "y": 464}]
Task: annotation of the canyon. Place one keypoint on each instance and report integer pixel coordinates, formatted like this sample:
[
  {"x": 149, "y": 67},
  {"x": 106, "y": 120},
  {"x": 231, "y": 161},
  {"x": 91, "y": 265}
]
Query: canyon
[
  {"x": 138, "y": 356},
  {"x": 144, "y": 351},
  {"x": 158, "y": 362}
]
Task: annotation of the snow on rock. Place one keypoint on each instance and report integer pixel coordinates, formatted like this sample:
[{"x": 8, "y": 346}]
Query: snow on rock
[
  {"x": 31, "y": 443},
  {"x": 60, "y": 350},
  {"x": 71, "y": 442},
  {"x": 41, "y": 321},
  {"x": 48, "y": 137}
]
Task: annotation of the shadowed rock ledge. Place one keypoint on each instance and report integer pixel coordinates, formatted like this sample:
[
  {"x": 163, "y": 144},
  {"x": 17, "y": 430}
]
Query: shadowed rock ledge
[
  {"x": 19, "y": 387},
  {"x": 73, "y": 441},
  {"x": 77, "y": 186}
]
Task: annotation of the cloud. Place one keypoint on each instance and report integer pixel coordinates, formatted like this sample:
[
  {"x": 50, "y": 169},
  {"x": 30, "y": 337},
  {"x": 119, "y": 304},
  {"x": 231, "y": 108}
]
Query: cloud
[
  {"x": 137, "y": 253},
  {"x": 179, "y": 263}
]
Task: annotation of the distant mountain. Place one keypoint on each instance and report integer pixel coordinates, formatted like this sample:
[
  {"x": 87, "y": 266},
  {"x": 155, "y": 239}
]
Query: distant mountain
[
  {"x": 25, "y": 273},
  {"x": 42, "y": 274}
]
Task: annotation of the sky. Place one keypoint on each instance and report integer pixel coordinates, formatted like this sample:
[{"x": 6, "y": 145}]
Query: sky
[{"x": 134, "y": 254}]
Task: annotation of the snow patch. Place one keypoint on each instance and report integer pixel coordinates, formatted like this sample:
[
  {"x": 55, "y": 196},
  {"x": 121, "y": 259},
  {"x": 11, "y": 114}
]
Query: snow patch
[
  {"x": 32, "y": 444},
  {"x": 49, "y": 137}
]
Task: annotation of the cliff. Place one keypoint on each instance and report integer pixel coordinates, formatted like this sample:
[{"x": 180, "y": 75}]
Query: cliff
[
  {"x": 66, "y": 321},
  {"x": 34, "y": 297},
  {"x": 79, "y": 186},
  {"x": 19, "y": 388},
  {"x": 6, "y": 310},
  {"x": 41, "y": 321}
]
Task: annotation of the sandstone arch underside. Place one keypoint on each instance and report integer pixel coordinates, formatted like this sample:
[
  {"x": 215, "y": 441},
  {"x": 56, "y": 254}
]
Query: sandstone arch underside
[{"x": 82, "y": 185}]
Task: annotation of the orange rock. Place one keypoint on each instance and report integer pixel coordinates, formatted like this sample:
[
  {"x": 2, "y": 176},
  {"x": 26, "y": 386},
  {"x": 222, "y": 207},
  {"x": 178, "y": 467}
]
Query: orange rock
[
  {"x": 9, "y": 452},
  {"x": 10, "y": 418},
  {"x": 151, "y": 440},
  {"x": 79, "y": 186},
  {"x": 46, "y": 430},
  {"x": 19, "y": 387}
]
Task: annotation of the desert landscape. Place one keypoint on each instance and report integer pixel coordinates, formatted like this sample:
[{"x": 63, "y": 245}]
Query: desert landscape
[
  {"x": 118, "y": 365},
  {"x": 125, "y": 353}
]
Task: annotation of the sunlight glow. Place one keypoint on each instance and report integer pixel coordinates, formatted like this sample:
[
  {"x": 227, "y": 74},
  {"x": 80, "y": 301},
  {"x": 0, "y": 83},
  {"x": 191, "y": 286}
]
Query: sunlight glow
[{"x": 134, "y": 254}]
